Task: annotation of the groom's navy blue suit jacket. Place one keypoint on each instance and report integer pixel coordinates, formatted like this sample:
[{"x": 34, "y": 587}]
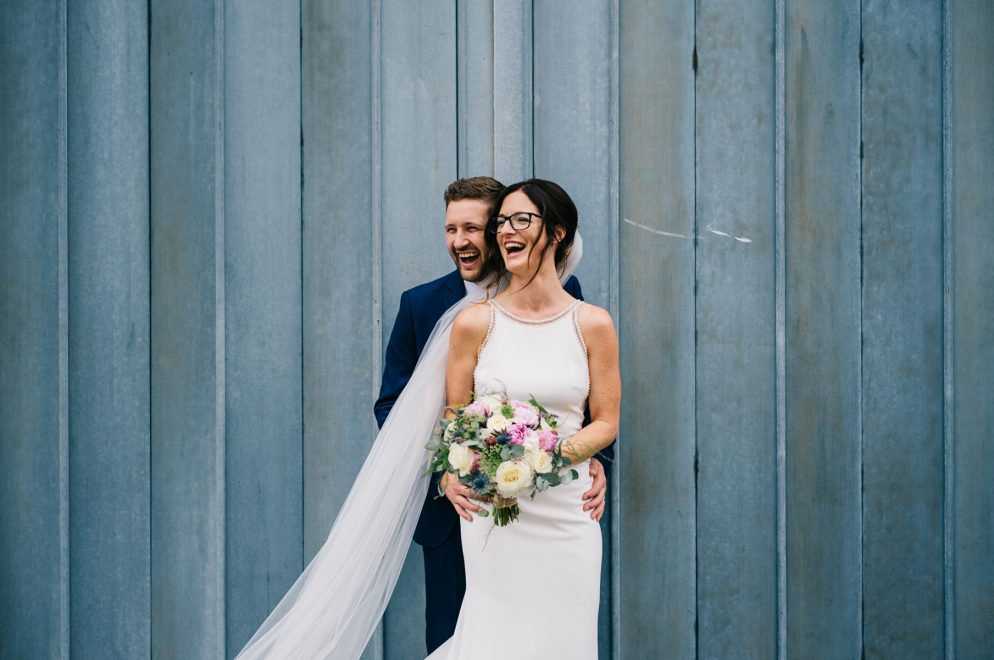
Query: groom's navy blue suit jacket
[{"x": 420, "y": 309}]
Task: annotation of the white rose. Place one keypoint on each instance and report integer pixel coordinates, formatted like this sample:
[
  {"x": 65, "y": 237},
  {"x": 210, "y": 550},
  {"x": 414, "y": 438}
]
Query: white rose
[
  {"x": 461, "y": 458},
  {"x": 492, "y": 402},
  {"x": 513, "y": 478},
  {"x": 497, "y": 424},
  {"x": 539, "y": 461},
  {"x": 544, "y": 425}
]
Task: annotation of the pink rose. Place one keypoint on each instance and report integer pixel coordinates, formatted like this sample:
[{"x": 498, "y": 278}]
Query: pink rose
[
  {"x": 547, "y": 440},
  {"x": 524, "y": 414},
  {"x": 516, "y": 434},
  {"x": 478, "y": 408}
]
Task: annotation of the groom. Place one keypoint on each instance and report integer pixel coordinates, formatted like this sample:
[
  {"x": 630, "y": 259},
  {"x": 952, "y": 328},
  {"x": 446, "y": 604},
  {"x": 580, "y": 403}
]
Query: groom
[{"x": 468, "y": 205}]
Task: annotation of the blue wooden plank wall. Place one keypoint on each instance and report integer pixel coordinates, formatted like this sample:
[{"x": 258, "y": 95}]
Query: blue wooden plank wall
[{"x": 209, "y": 209}]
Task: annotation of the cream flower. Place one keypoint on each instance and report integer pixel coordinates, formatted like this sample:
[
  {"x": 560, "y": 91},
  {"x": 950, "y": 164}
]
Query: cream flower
[
  {"x": 513, "y": 478},
  {"x": 497, "y": 424},
  {"x": 461, "y": 458},
  {"x": 539, "y": 461}
]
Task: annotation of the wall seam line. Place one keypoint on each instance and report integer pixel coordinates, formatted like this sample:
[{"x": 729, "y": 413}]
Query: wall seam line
[
  {"x": 300, "y": 201},
  {"x": 948, "y": 419},
  {"x": 148, "y": 274},
  {"x": 63, "y": 242},
  {"x": 696, "y": 247},
  {"x": 378, "y": 642},
  {"x": 861, "y": 510},
  {"x": 220, "y": 454},
  {"x": 614, "y": 307}
]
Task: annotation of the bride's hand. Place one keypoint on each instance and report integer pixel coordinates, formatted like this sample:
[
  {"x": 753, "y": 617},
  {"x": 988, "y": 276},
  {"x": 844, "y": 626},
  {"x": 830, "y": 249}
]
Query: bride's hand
[
  {"x": 594, "y": 498},
  {"x": 459, "y": 495}
]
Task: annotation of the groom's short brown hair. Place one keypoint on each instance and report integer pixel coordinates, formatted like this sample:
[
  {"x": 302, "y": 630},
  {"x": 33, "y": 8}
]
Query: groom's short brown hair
[{"x": 483, "y": 188}]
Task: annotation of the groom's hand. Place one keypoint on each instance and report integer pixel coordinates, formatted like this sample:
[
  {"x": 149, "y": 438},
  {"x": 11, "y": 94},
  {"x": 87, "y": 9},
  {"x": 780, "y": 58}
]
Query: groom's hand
[
  {"x": 459, "y": 495},
  {"x": 594, "y": 498}
]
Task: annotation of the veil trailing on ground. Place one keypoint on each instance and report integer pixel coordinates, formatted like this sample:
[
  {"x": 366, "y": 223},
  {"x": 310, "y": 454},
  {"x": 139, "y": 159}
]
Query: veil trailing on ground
[{"x": 334, "y": 606}]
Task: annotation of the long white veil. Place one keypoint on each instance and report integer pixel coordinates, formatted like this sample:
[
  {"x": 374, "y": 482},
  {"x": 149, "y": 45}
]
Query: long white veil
[{"x": 334, "y": 606}]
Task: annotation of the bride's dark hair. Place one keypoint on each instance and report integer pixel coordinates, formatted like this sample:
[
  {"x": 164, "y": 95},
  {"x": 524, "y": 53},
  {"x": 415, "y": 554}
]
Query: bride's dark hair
[{"x": 557, "y": 210}]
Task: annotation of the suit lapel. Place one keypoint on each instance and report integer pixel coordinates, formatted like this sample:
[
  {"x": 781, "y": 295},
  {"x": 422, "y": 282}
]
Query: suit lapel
[{"x": 455, "y": 289}]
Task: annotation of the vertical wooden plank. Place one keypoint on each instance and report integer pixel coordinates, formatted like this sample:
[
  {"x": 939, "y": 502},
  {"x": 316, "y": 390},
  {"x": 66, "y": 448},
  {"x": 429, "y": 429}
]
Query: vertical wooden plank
[
  {"x": 337, "y": 246},
  {"x": 418, "y": 154},
  {"x": 736, "y": 316},
  {"x": 971, "y": 135},
  {"x": 34, "y": 597},
  {"x": 475, "y": 72},
  {"x": 823, "y": 423},
  {"x": 263, "y": 399},
  {"x": 513, "y": 94},
  {"x": 902, "y": 329},
  {"x": 572, "y": 120},
  {"x": 780, "y": 277},
  {"x": 573, "y": 76},
  {"x": 418, "y": 151},
  {"x": 108, "y": 249},
  {"x": 340, "y": 372},
  {"x": 657, "y": 608},
  {"x": 187, "y": 450}
]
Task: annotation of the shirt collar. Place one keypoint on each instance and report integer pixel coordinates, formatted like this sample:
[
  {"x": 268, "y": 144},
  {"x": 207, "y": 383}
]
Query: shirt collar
[{"x": 474, "y": 290}]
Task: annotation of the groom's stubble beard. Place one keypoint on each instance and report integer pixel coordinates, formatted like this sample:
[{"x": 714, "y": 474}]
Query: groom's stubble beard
[{"x": 474, "y": 275}]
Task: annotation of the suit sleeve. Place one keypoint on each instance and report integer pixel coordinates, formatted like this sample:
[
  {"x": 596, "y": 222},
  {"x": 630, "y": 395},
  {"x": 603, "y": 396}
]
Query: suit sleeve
[{"x": 401, "y": 358}]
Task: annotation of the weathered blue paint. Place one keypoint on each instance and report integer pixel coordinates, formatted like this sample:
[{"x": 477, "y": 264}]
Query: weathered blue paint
[
  {"x": 735, "y": 320},
  {"x": 902, "y": 329},
  {"x": 971, "y": 301},
  {"x": 475, "y": 91},
  {"x": 829, "y": 376},
  {"x": 33, "y": 586},
  {"x": 513, "y": 90},
  {"x": 187, "y": 459},
  {"x": 823, "y": 403},
  {"x": 263, "y": 379},
  {"x": 656, "y": 320},
  {"x": 108, "y": 270}
]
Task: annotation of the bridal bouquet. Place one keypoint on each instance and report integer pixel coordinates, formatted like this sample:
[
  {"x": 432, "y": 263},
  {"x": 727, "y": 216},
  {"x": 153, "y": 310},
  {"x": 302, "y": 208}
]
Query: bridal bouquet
[{"x": 502, "y": 449}]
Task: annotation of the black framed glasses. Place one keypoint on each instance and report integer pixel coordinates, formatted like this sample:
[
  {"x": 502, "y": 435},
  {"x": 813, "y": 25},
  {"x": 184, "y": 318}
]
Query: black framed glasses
[{"x": 518, "y": 221}]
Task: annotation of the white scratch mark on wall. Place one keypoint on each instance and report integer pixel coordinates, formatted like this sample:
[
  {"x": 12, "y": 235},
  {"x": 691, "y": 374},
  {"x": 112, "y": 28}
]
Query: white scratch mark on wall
[
  {"x": 660, "y": 232},
  {"x": 740, "y": 239}
]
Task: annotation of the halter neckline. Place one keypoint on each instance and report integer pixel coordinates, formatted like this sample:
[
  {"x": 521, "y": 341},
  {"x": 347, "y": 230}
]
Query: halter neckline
[{"x": 548, "y": 319}]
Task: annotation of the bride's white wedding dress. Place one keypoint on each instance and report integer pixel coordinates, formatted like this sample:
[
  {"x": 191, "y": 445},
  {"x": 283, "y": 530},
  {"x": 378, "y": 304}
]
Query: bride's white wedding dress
[
  {"x": 333, "y": 608},
  {"x": 533, "y": 587}
]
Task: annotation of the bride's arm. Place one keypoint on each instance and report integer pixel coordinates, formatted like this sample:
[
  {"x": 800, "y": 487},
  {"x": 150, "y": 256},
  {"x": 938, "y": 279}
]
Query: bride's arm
[
  {"x": 604, "y": 399},
  {"x": 469, "y": 330}
]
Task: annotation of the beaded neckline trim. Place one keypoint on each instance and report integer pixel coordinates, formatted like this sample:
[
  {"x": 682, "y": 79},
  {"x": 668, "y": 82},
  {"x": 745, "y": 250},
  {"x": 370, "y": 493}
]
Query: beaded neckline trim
[{"x": 520, "y": 319}]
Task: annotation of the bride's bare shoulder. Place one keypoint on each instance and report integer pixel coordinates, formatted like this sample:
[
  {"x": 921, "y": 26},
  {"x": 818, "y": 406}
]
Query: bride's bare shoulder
[
  {"x": 473, "y": 321},
  {"x": 595, "y": 322}
]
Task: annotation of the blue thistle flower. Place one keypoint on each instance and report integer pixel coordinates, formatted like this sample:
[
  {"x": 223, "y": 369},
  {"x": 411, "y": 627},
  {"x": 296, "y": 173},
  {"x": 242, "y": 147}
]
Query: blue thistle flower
[{"x": 479, "y": 482}]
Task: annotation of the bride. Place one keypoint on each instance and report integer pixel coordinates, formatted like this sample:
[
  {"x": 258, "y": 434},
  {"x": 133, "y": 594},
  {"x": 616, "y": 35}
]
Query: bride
[
  {"x": 538, "y": 579},
  {"x": 532, "y": 586}
]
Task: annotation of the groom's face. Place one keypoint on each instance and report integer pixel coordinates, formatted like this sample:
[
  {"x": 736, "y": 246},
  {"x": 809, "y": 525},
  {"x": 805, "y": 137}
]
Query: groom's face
[{"x": 465, "y": 224}]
